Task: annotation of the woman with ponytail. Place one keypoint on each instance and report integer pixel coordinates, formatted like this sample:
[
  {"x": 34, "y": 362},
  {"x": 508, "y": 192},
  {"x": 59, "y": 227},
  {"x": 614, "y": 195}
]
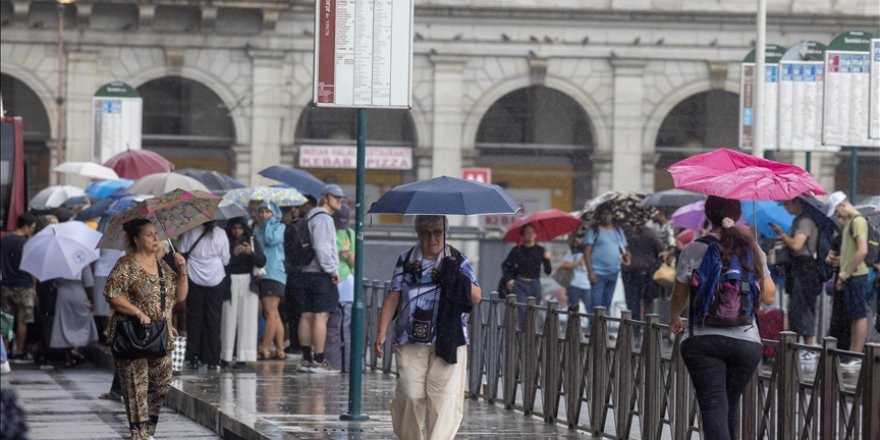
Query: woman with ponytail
[{"x": 720, "y": 360}]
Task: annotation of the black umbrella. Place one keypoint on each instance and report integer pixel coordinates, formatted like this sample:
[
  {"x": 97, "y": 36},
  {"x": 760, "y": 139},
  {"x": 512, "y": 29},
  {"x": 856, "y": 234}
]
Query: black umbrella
[
  {"x": 215, "y": 181},
  {"x": 671, "y": 199}
]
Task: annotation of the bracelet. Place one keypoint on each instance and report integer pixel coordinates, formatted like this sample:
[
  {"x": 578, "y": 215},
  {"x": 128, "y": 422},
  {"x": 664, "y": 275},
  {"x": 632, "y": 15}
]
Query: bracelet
[{"x": 184, "y": 274}]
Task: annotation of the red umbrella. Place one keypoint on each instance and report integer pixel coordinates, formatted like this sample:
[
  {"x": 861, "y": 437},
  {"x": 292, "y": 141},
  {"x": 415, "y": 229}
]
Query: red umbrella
[
  {"x": 134, "y": 164},
  {"x": 549, "y": 224},
  {"x": 734, "y": 175}
]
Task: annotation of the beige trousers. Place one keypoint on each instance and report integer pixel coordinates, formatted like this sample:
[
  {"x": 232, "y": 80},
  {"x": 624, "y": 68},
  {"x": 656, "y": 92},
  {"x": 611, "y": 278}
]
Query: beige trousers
[{"x": 429, "y": 392}]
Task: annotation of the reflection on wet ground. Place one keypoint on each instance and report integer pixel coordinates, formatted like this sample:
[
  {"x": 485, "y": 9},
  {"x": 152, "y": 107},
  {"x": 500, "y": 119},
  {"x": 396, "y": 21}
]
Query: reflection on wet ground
[{"x": 279, "y": 403}]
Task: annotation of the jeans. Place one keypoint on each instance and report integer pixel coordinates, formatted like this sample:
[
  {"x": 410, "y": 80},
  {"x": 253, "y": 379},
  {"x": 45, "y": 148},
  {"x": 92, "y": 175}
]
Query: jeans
[
  {"x": 602, "y": 291},
  {"x": 523, "y": 290},
  {"x": 576, "y": 295},
  {"x": 720, "y": 368}
]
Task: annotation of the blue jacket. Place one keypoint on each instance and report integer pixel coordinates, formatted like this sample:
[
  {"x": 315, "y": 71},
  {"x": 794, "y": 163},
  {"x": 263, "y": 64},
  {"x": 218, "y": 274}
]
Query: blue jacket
[{"x": 270, "y": 235}]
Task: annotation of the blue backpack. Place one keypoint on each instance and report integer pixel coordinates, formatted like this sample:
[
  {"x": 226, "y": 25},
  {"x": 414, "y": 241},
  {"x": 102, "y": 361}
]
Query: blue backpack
[{"x": 722, "y": 296}]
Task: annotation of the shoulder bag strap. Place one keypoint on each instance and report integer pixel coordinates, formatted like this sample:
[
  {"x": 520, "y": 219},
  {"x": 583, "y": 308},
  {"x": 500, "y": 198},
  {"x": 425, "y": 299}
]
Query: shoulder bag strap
[
  {"x": 193, "y": 247},
  {"x": 161, "y": 284}
]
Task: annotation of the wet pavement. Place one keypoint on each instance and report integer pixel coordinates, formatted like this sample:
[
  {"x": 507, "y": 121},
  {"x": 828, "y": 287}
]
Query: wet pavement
[
  {"x": 271, "y": 400},
  {"x": 63, "y": 404}
]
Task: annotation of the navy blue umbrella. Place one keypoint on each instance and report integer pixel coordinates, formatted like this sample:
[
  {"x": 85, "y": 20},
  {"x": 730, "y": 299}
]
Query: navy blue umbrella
[
  {"x": 303, "y": 181},
  {"x": 445, "y": 196},
  {"x": 97, "y": 209},
  {"x": 215, "y": 181}
]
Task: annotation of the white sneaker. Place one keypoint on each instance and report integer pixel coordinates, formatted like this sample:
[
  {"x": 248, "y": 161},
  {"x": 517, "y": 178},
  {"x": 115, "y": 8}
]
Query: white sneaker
[
  {"x": 809, "y": 356},
  {"x": 324, "y": 368},
  {"x": 853, "y": 366},
  {"x": 306, "y": 367},
  {"x": 4, "y": 367}
]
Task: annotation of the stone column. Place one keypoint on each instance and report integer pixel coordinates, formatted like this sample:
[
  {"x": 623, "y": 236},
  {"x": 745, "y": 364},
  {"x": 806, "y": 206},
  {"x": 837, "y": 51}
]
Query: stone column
[
  {"x": 627, "y": 126},
  {"x": 268, "y": 106},
  {"x": 242, "y": 159},
  {"x": 448, "y": 116},
  {"x": 82, "y": 83}
]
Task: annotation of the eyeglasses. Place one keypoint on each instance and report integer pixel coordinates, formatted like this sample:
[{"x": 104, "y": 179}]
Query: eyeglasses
[{"x": 431, "y": 232}]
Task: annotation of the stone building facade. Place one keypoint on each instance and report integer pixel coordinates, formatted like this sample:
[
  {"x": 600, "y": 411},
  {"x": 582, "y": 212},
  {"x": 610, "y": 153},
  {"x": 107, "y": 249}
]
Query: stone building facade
[{"x": 562, "y": 99}]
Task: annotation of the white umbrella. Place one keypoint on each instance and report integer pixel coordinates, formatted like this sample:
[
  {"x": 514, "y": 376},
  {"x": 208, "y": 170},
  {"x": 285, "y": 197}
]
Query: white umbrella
[
  {"x": 161, "y": 183},
  {"x": 60, "y": 251},
  {"x": 54, "y": 196},
  {"x": 88, "y": 169}
]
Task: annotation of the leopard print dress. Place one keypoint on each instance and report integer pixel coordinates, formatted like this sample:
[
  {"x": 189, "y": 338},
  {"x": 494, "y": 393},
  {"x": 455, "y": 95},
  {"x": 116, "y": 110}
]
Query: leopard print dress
[{"x": 145, "y": 382}]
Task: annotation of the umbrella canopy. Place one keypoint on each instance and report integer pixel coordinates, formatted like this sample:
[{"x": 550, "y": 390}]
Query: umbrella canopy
[
  {"x": 549, "y": 224},
  {"x": 277, "y": 195},
  {"x": 302, "y": 180},
  {"x": 134, "y": 164},
  {"x": 227, "y": 210},
  {"x": 87, "y": 169},
  {"x": 54, "y": 196},
  {"x": 161, "y": 183},
  {"x": 213, "y": 180},
  {"x": 445, "y": 196},
  {"x": 97, "y": 209},
  {"x": 672, "y": 199},
  {"x": 60, "y": 251},
  {"x": 103, "y": 188},
  {"x": 174, "y": 213},
  {"x": 692, "y": 216},
  {"x": 734, "y": 175},
  {"x": 628, "y": 208},
  {"x": 118, "y": 206}
]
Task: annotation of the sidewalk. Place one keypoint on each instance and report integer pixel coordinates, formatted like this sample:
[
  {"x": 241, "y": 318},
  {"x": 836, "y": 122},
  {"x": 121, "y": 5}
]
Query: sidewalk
[{"x": 64, "y": 404}]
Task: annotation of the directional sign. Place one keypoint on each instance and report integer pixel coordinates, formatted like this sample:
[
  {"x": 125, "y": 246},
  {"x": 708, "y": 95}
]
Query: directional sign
[{"x": 363, "y": 53}]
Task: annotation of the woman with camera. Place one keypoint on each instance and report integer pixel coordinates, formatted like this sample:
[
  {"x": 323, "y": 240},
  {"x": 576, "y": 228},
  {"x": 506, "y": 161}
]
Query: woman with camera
[
  {"x": 142, "y": 287},
  {"x": 430, "y": 332}
]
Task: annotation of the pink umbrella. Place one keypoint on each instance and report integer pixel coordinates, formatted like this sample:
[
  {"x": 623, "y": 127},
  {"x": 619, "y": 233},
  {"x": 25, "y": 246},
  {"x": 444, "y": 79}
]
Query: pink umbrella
[
  {"x": 734, "y": 175},
  {"x": 134, "y": 164}
]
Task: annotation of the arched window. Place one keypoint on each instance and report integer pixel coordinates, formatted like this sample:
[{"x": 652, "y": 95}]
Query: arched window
[
  {"x": 703, "y": 121},
  {"x": 538, "y": 143},
  {"x": 188, "y": 123},
  {"x": 20, "y": 100}
]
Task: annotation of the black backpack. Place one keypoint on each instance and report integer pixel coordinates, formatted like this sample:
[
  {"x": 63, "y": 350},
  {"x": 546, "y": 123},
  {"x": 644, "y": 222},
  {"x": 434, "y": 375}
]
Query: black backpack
[
  {"x": 298, "y": 250},
  {"x": 873, "y": 255}
]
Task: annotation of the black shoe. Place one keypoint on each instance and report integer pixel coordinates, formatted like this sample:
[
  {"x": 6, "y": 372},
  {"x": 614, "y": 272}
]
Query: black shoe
[
  {"x": 194, "y": 364},
  {"x": 240, "y": 364},
  {"x": 223, "y": 364}
]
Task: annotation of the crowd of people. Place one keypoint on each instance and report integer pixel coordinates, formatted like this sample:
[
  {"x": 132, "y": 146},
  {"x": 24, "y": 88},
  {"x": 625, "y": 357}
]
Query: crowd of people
[{"x": 241, "y": 286}]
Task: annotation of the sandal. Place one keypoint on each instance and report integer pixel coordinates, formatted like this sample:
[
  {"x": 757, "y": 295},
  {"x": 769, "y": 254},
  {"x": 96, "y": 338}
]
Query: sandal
[
  {"x": 280, "y": 355},
  {"x": 264, "y": 356},
  {"x": 108, "y": 396}
]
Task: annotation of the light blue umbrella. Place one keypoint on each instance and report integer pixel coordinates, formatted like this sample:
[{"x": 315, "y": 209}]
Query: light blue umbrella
[
  {"x": 767, "y": 212},
  {"x": 103, "y": 188}
]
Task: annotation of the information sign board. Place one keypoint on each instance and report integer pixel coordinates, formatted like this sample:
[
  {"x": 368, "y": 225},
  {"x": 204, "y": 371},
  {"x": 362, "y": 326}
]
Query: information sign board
[
  {"x": 847, "y": 84},
  {"x": 117, "y": 115},
  {"x": 771, "y": 98}
]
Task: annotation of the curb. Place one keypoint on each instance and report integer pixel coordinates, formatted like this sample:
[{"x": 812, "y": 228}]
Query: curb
[{"x": 192, "y": 407}]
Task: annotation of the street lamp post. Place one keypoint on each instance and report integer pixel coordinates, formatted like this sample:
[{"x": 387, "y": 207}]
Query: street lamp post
[{"x": 60, "y": 98}]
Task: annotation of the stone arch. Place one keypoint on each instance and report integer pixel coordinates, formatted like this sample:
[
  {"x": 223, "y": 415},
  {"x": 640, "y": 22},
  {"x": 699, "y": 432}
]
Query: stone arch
[
  {"x": 24, "y": 101},
  {"x": 45, "y": 93},
  {"x": 189, "y": 123},
  {"x": 229, "y": 98},
  {"x": 665, "y": 106},
  {"x": 600, "y": 134}
]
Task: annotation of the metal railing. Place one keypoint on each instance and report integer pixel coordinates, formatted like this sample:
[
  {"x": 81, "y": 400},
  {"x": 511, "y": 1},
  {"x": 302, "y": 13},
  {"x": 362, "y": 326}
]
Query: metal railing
[{"x": 632, "y": 383}]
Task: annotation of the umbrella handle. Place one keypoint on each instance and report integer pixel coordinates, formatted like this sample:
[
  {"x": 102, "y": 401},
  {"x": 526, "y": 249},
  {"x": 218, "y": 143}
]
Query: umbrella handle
[{"x": 170, "y": 245}]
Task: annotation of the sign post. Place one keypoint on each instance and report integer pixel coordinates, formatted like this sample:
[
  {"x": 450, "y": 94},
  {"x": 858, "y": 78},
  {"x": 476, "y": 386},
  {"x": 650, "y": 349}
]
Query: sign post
[
  {"x": 845, "y": 118},
  {"x": 747, "y": 104},
  {"x": 117, "y": 114},
  {"x": 363, "y": 59}
]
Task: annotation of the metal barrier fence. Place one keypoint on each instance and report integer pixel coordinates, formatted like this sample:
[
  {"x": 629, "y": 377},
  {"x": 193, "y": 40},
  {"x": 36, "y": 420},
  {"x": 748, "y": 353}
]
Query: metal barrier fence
[{"x": 633, "y": 384}]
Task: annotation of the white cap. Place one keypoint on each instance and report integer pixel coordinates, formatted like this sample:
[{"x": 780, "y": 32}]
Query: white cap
[{"x": 833, "y": 200}]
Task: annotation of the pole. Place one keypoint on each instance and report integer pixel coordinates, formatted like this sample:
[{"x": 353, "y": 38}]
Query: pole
[
  {"x": 59, "y": 99},
  {"x": 808, "y": 161},
  {"x": 853, "y": 171},
  {"x": 356, "y": 370},
  {"x": 760, "y": 58}
]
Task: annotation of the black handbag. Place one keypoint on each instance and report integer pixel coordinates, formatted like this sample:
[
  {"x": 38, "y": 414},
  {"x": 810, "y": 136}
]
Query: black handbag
[{"x": 136, "y": 341}]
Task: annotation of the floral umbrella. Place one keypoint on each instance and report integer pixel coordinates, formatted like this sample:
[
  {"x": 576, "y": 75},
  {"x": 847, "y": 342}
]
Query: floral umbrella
[
  {"x": 628, "y": 209},
  {"x": 174, "y": 213},
  {"x": 739, "y": 176},
  {"x": 277, "y": 195}
]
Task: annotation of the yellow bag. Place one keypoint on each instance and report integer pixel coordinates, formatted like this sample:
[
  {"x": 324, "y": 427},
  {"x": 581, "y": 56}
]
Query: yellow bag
[{"x": 664, "y": 275}]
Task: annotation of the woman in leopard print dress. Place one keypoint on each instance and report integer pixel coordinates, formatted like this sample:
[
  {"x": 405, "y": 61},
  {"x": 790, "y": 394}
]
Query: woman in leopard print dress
[{"x": 133, "y": 289}]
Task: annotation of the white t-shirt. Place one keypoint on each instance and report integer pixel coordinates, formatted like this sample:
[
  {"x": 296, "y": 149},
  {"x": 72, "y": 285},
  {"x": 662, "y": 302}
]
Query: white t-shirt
[{"x": 690, "y": 259}]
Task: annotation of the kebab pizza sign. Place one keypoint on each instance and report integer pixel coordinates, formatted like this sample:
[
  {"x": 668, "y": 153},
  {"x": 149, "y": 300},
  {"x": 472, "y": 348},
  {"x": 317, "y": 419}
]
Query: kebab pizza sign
[{"x": 377, "y": 158}]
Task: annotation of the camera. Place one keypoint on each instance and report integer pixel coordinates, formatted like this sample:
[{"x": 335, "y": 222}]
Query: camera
[{"x": 421, "y": 328}]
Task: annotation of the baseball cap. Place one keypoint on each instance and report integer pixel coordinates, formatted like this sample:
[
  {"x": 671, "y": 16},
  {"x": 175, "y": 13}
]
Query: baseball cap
[
  {"x": 334, "y": 190},
  {"x": 342, "y": 216},
  {"x": 833, "y": 200}
]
